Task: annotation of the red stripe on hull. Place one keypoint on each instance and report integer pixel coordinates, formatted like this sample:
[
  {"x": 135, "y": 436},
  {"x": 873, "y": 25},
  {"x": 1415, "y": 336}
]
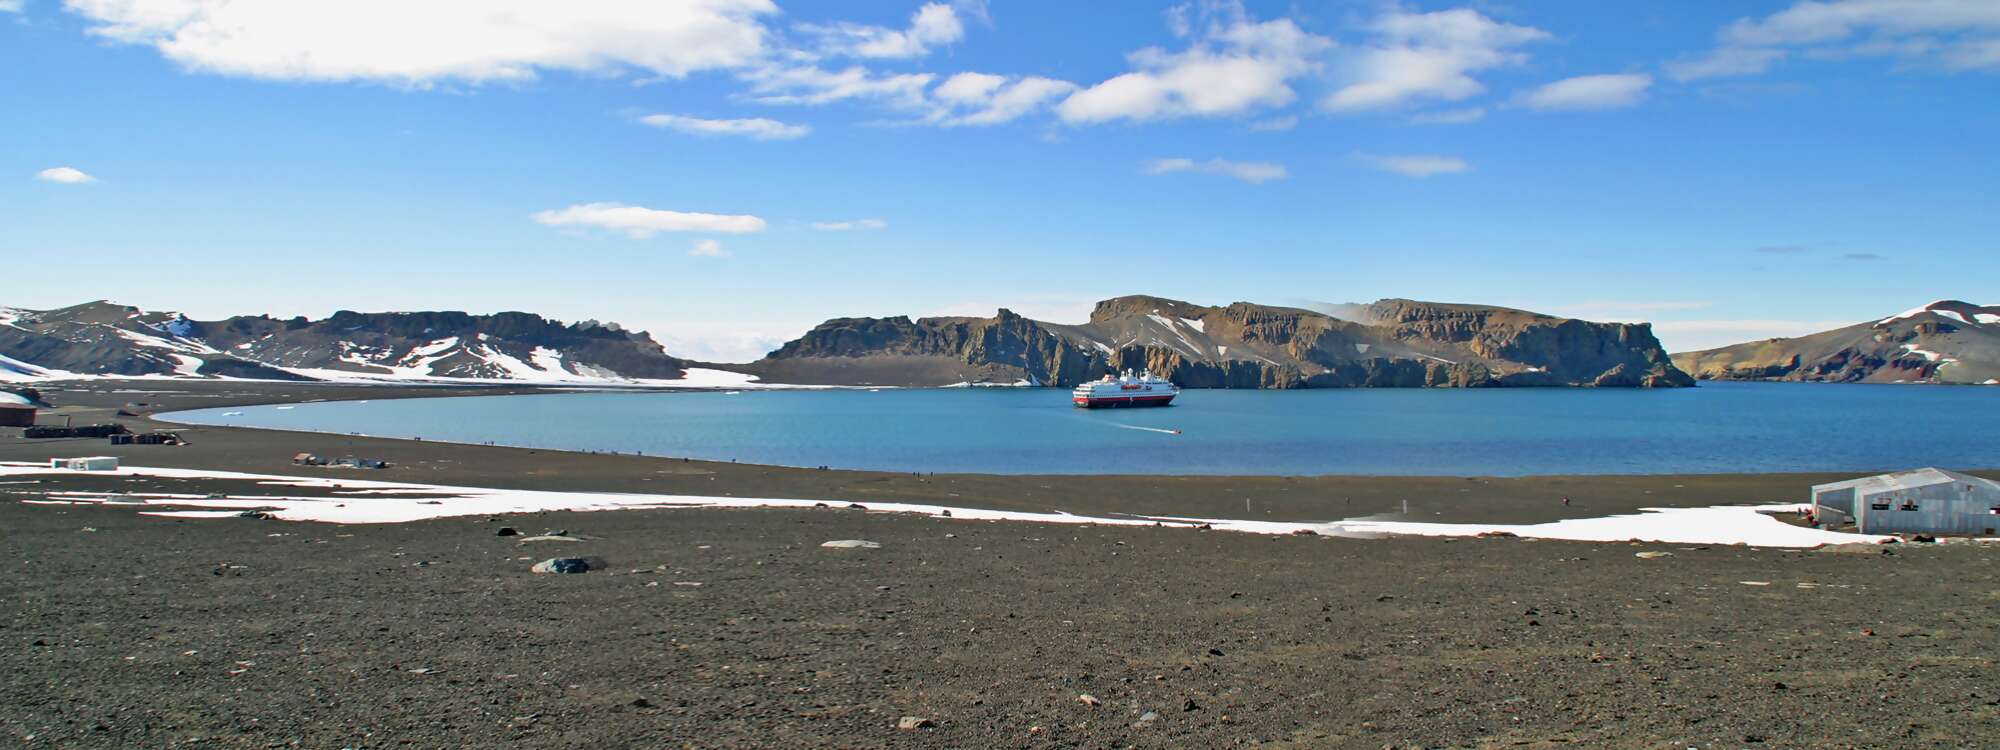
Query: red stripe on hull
[{"x": 1114, "y": 402}]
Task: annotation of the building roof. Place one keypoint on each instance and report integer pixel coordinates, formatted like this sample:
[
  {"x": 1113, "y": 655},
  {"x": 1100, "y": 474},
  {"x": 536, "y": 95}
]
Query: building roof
[{"x": 1906, "y": 480}]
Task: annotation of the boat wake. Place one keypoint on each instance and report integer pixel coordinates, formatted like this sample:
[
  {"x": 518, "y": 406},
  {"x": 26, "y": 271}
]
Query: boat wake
[{"x": 1160, "y": 430}]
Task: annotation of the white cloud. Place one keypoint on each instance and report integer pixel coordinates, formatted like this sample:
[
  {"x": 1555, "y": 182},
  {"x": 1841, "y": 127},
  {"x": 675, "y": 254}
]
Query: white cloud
[
  {"x": 1618, "y": 309},
  {"x": 1607, "y": 91},
  {"x": 639, "y": 222},
  {"x": 1276, "y": 124},
  {"x": 987, "y": 99},
  {"x": 1428, "y": 56},
  {"x": 813, "y": 86},
  {"x": 1236, "y": 65},
  {"x": 1697, "y": 335},
  {"x": 1724, "y": 61},
  {"x": 1462, "y": 116},
  {"x": 1952, "y": 35},
  {"x": 65, "y": 175},
  {"x": 851, "y": 225},
  {"x": 933, "y": 25},
  {"x": 756, "y": 128},
  {"x": 1253, "y": 172},
  {"x": 10, "y": 6},
  {"x": 421, "y": 43},
  {"x": 1416, "y": 165},
  {"x": 708, "y": 249},
  {"x": 734, "y": 340}
]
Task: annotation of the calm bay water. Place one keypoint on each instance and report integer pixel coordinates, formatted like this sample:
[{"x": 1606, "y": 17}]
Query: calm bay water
[{"x": 1719, "y": 427}]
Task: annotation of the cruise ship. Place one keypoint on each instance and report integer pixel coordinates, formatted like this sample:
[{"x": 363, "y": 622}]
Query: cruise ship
[{"x": 1127, "y": 389}]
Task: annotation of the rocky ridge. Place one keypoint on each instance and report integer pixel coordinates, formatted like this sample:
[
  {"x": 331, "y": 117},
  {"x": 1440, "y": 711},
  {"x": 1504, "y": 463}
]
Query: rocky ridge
[
  {"x": 1947, "y": 341},
  {"x": 1403, "y": 343},
  {"x": 101, "y": 339}
]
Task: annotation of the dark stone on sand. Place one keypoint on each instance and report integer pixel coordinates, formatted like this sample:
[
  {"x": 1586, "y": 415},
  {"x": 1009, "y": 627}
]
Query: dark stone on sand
[{"x": 506, "y": 531}]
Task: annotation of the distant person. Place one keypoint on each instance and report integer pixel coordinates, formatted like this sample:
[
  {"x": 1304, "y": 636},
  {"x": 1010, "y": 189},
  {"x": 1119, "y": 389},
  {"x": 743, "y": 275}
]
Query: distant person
[{"x": 1565, "y": 501}]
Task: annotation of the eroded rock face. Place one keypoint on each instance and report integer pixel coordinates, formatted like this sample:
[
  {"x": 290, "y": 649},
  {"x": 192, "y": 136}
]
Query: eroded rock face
[{"x": 1403, "y": 343}]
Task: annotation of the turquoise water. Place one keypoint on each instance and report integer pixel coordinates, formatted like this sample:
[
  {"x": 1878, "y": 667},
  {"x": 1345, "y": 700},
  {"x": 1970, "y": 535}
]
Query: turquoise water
[{"x": 1719, "y": 427}]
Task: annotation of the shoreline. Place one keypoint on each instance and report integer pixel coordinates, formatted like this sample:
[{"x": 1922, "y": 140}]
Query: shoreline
[{"x": 1464, "y": 499}]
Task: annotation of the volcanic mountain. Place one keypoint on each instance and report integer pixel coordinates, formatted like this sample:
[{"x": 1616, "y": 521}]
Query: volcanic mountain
[
  {"x": 1943, "y": 342},
  {"x": 1391, "y": 343},
  {"x": 102, "y": 339}
]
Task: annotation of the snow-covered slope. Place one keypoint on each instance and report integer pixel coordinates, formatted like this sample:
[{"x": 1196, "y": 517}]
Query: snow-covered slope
[{"x": 101, "y": 339}]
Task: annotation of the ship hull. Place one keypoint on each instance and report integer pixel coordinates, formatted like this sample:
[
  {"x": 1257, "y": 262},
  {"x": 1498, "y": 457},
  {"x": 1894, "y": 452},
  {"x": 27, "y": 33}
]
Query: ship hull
[{"x": 1122, "y": 402}]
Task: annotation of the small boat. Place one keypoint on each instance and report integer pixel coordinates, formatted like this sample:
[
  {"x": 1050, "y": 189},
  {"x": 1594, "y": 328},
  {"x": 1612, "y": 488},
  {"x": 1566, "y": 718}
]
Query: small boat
[{"x": 1126, "y": 389}]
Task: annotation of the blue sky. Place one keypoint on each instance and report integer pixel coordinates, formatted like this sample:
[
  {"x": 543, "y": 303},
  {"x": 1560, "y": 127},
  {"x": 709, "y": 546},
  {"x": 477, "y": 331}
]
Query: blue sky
[{"x": 726, "y": 173}]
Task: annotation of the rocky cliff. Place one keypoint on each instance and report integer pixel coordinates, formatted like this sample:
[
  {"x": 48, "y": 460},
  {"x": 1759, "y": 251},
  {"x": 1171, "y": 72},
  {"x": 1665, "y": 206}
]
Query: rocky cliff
[
  {"x": 1403, "y": 343},
  {"x": 1943, "y": 342}
]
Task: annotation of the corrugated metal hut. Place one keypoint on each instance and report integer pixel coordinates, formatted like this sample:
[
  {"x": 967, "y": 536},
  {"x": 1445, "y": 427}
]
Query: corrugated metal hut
[
  {"x": 16, "y": 415},
  {"x": 1919, "y": 501}
]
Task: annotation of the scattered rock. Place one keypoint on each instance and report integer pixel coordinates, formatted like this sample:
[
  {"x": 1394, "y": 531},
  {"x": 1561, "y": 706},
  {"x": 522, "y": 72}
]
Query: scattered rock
[
  {"x": 1304, "y": 532},
  {"x": 569, "y": 565},
  {"x": 1089, "y": 700},
  {"x": 1853, "y": 548},
  {"x": 1146, "y": 719},
  {"x": 913, "y": 723},
  {"x": 1755, "y": 583},
  {"x": 253, "y": 514},
  {"x": 550, "y": 538},
  {"x": 506, "y": 531},
  {"x": 1190, "y": 705},
  {"x": 1652, "y": 554},
  {"x": 856, "y": 506},
  {"x": 851, "y": 544},
  {"x": 1496, "y": 534}
]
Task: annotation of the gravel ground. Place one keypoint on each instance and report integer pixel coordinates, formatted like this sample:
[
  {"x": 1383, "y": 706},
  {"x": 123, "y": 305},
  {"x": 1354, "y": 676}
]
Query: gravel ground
[{"x": 736, "y": 629}]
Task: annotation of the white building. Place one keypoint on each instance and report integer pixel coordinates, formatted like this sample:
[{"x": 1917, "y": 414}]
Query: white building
[
  {"x": 88, "y": 463},
  {"x": 1919, "y": 501}
]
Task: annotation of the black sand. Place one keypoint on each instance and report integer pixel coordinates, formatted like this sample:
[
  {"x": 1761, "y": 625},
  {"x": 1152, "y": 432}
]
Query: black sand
[{"x": 434, "y": 634}]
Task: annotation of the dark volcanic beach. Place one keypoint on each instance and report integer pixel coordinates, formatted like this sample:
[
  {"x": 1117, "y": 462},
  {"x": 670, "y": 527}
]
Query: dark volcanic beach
[{"x": 735, "y": 628}]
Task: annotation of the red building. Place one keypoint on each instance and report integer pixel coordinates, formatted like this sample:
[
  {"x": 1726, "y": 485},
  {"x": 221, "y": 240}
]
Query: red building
[{"x": 17, "y": 415}]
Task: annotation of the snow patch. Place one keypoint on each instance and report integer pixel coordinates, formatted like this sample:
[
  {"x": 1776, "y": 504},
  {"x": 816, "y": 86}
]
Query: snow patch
[
  {"x": 1916, "y": 311},
  {"x": 1912, "y": 349},
  {"x": 363, "y": 501},
  {"x": 1195, "y": 324}
]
